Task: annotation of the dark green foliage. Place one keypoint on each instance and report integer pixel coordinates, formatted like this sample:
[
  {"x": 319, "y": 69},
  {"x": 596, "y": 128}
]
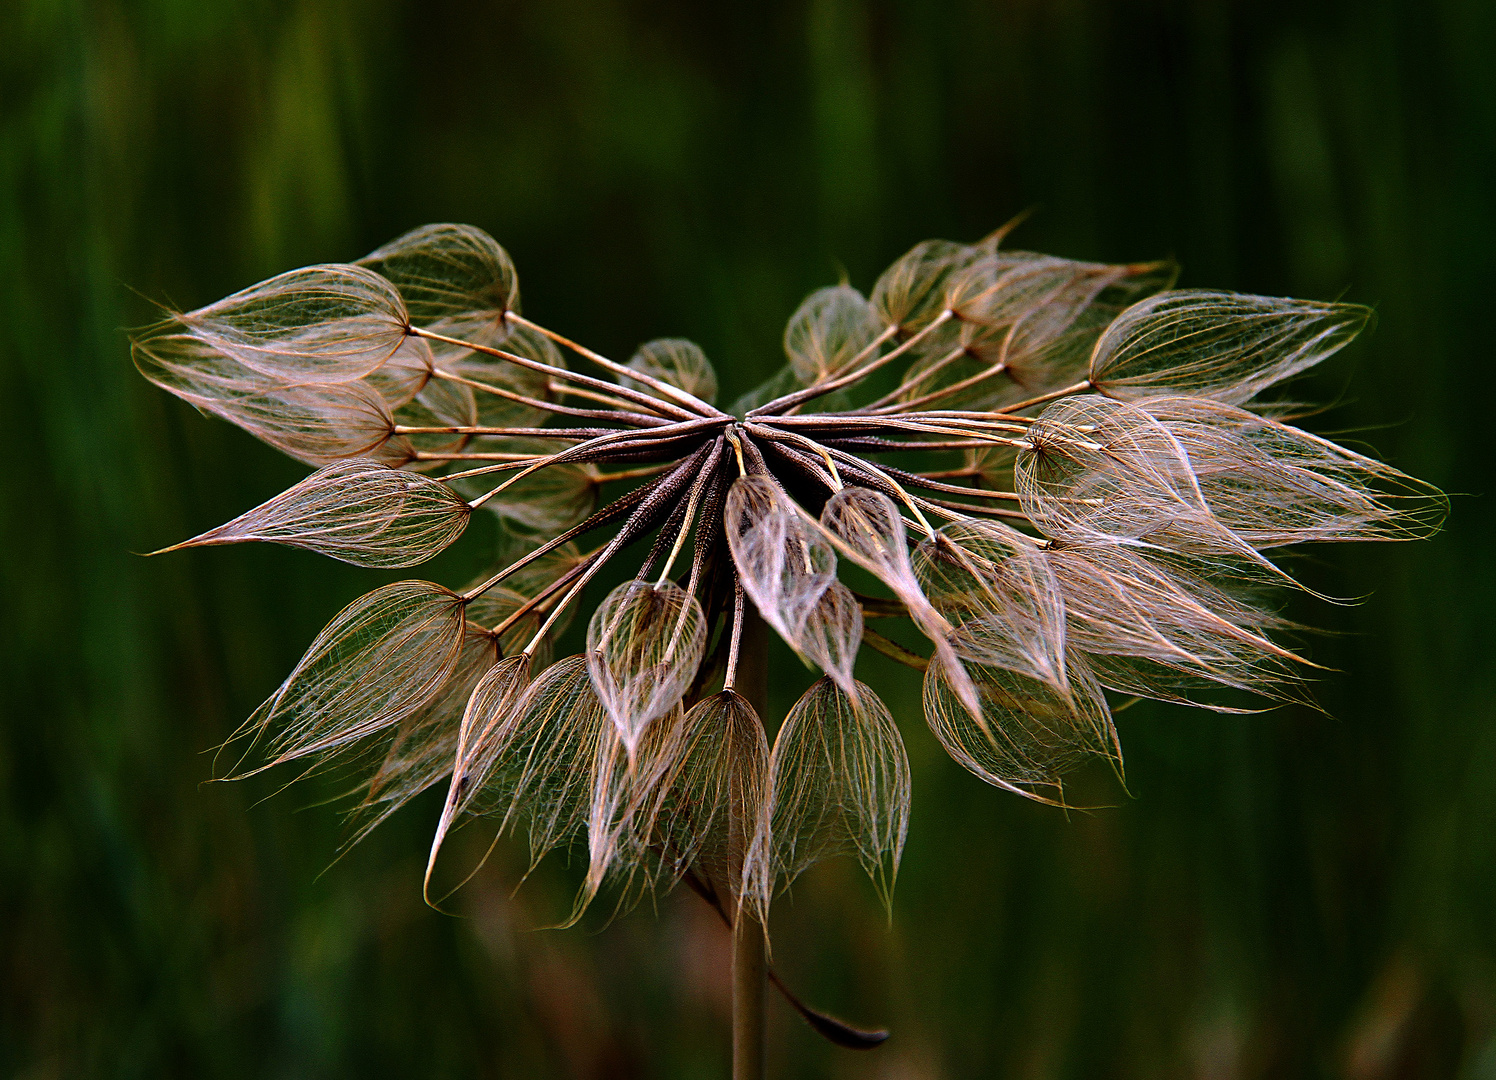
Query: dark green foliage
[{"x": 1283, "y": 895}]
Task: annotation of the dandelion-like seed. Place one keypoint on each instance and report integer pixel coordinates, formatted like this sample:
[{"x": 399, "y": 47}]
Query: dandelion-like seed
[{"x": 1061, "y": 473}]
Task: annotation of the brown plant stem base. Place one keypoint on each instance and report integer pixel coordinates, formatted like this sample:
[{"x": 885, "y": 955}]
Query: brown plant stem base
[
  {"x": 749, "y": 963},
  {"x": 749, "y": 978}
]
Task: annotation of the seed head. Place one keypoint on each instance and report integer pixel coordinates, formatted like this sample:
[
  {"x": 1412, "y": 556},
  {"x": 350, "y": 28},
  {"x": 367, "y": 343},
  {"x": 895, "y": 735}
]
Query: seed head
[{"x": 1062, "y": 474}]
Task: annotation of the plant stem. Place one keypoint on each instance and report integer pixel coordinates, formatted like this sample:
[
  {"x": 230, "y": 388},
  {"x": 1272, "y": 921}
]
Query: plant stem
[
  {"x": 749, "y": 966},
  {"x": 748, "y": 969}
]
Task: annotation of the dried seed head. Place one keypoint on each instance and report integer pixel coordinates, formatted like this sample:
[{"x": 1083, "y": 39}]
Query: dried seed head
[{"x": 1096, "y": 492}]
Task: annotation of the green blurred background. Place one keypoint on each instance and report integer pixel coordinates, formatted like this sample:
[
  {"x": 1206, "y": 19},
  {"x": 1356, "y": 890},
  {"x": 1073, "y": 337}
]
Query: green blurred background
[{"x": 1285, "y": 895}]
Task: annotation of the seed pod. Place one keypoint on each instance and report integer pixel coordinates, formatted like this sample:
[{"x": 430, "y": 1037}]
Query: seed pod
[
  {"x": 1026, "y": 733},
  {"x": 454, "y": 279},
  {"x": 784, "y": 565},
  {"x": 360, "y": 512},
  {"x": 380, "y": 659},
  {"x": 1220, "y": 345},
  {"x": 839, "y": 778},
  {"x": 680, "y": 363},
  {"x": 314, "y": 423},
  {"x": 643, "y": 647},
  {"x": 832, "y": 327},
  {"x": 319, "y": 324}
]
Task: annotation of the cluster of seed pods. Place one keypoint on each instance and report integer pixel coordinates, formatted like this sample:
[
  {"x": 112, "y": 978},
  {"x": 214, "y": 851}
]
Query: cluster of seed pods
[{"x": 1061, "y": 473}]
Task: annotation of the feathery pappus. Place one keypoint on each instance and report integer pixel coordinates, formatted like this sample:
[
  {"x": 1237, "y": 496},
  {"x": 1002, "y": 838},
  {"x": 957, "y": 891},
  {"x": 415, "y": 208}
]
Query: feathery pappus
[{"x": 1062, "y": 473}]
